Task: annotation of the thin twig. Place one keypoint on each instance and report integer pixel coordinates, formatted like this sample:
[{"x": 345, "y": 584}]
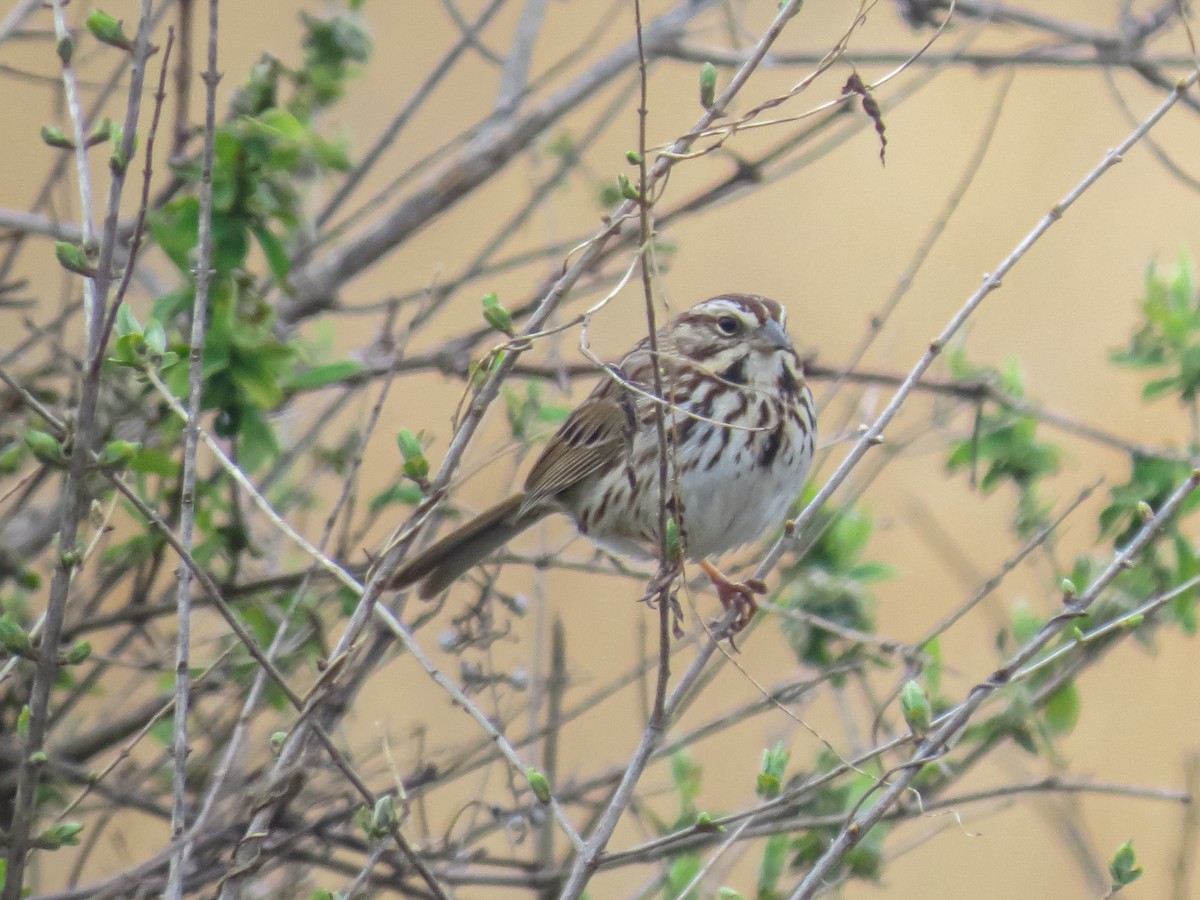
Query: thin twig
[{"x": 187, "y": 499}]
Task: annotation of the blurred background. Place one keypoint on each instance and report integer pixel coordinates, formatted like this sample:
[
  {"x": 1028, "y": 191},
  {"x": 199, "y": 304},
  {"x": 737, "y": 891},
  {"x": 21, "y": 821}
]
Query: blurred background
[{"x": 830, "y": 234}]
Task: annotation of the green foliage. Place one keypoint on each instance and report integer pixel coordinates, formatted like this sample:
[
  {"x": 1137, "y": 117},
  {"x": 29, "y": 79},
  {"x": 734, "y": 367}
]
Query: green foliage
[
  {"x": 74, "y": 258},
  {"x": 416, "y": 465},
  {"x": 915, "y": 707},
  {"x": 768, "y": 785},
  {"x": 1168, "y": 562},
  {"x": 1169, "y": 336},
  {"x": 528, "y": 413},
  {"x": 1004, "y": 443},
  {"x": 865, "y": 859},
  {"x": 684, "y": 867},
  {"x": 108, "y": 30},
  {"x": 1123, "y": 867},
  {"x": 539, "y": 784},
  {"x": 61, "y": 834},
  {"x": 685, "y": 776},
  {"x": 708, "y": 85},
  {"x": 831, "y": 581},
  {"x": 332, "y": 47},
  {"x": 770, "y": 775},
  {"x": 54, "y": 137},
  {"x": 496, "y": 315}
]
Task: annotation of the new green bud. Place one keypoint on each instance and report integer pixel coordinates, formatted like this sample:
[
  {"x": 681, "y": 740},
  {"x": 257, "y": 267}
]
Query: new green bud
[
  {"x": 383, "y": 816},
  {"x": 118, "y": 453},
  {"x": 62, "y": 834},
  {"x": 107, "y": 29},
  {"x": 65, "y": 49},
  {"x": 674, "y": 540},
  {"x": 496, "y": 315},
  {"x": 416, "y": 466},
  {"x": 23, "y": 723},
  {"x": 44, "y": 446},
  {"x": 14, "y": 639},
  {"x": 1123, "y": 867},
  {"x": 78, "y": 653},
  {"x": 539, "y": 785},
  {"x": 708, "y": 85},
  {"x": 72, "y": 258},
  {"x": 914, "y": 704},
  {"x": 626, "y": 189},
  {"x": 55, "y": 137},
  {"x": 633, "y": 157}
]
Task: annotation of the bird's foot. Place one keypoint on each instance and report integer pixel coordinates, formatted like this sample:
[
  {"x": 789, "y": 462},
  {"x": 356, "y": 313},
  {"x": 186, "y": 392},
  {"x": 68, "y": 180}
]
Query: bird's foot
[
  {"x": 737, "y": 595},
  {"x": 662, "y": 588}
]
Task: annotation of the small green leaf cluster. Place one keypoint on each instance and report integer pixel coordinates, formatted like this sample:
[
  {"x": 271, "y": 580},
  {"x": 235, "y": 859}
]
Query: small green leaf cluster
[
  {"x": 1169, "y": 336},
  {"x": 864, "y": 860},
  {"x": 528, "y": 413},
  {"x": 832, "y": 580},
  {"x": 1004, "y": 443},
  {"x": 768, "y": 786},
  {"x": 1123, "y": 868},
  {"x": 683, "y": 867}
]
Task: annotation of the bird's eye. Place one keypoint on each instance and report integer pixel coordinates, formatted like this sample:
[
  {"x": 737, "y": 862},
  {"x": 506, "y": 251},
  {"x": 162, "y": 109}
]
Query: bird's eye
[{"x": 728, "y": 324}]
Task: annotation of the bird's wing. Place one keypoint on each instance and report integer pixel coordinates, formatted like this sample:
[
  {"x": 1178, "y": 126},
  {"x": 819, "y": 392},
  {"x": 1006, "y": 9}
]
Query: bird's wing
[{"x": 594, "y": 437}]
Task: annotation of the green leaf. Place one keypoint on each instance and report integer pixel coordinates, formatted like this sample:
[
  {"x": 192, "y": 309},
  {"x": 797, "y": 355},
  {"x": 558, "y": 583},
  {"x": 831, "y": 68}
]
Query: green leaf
[
  {"x": 55, "y": 137},
  {"x": 154, "y": 461},
  {"x": 156, "y": 338},
  {"x": 324, "y": 375},
  {"x": 496, "y": 315},
  {"x": 708, "y": 85},
  {"x": 119, "y": 453},
  {"x": 175, "y": 228},
  {"x": 13, "y": 637},
  {"x": 72, "y": 258},
  {"x": 127, "y": 322},
  {"x": 771, "y": 866},
  {"x": 539, "y": 785},
  {"x": 45, "y": 447},
  {"x": 61, "y": 834},
  {"x": 231, "y": 242},
  {"x": 254, "y": 378},
  {"x": 1062, "y": 709},
  {"x": 274, "y": 250},
  {"x": 1152, "y": 390},
  {"x": 683, "y": 870},
  {"x": 774, "y": 767},
  {"x": 933, "y": 668},
  {"x": 107, "y": 29},
  {"x": 914, "y": 704},
  {"x": 23, "y": 723},
  {"x": 407, "y": 493},
  {"x": 1123, "y": 867},
  {"x": 258, "y": 445}
]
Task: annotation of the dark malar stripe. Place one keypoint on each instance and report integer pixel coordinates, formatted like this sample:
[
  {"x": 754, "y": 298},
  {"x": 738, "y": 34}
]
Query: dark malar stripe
[
  {"x": 771, "y": 448},
  {"x": 736, "y": 374}
]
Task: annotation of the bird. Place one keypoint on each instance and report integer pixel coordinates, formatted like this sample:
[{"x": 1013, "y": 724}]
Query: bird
[{"x": 740, "y": 429}]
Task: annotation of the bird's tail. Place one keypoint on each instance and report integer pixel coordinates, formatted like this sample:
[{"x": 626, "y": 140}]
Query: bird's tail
[{"x": 442, "y": 563}]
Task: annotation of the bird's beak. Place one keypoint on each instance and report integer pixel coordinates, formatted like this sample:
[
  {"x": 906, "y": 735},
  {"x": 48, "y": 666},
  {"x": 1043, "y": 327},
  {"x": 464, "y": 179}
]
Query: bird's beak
[{"x": 772, "y": 337}]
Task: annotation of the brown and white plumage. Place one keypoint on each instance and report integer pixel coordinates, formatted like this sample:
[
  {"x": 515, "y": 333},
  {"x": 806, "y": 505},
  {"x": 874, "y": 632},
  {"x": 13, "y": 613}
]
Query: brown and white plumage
[{"x": 741, "y": 431}]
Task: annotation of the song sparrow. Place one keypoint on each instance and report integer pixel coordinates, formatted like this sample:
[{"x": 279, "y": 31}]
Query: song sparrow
[{"x": 741, "y": 430}]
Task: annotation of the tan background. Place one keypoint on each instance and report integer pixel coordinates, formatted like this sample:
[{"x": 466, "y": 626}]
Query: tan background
[{"x": 830, "y": 242}]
